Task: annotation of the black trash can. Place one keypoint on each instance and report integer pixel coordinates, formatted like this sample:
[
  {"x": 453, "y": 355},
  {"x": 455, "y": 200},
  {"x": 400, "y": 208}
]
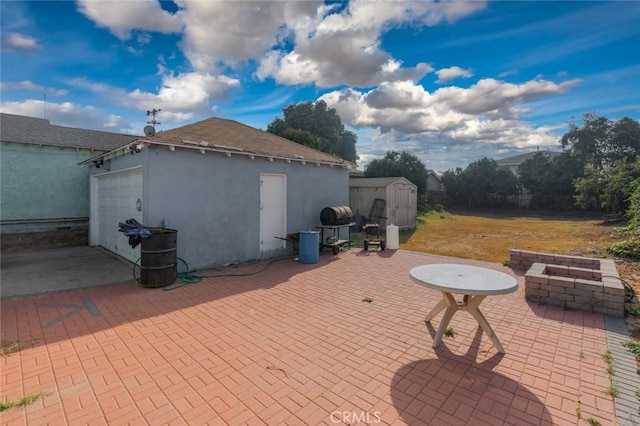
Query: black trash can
[{"x": 158, "y": 258}]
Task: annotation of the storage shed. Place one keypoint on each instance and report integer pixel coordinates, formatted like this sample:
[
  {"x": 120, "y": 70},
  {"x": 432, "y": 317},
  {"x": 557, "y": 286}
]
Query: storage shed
[
  {"x": 400, "y": 194},
  {"x": 230, "y": 190}
]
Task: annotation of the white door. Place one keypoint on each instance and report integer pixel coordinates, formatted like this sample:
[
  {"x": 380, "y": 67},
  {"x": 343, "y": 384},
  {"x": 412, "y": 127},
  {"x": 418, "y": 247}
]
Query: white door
[
  {"x": 403, "y": 205},
  {"x": 273, "y": 211},
  {"x": 119, "y": 197}
]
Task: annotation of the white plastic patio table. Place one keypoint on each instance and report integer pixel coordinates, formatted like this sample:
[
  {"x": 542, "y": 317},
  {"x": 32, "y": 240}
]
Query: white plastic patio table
[{"x": 474, "y": 282}]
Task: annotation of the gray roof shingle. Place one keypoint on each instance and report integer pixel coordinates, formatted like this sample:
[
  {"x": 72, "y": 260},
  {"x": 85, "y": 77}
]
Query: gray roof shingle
[
  {"x": 219, "y": 133},
  {"x": 30, "y": 130}
]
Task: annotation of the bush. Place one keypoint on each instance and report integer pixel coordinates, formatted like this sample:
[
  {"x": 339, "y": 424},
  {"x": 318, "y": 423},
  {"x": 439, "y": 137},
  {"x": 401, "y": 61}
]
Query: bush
[
  {"x": 423, "y": 204},
  {"x": 634, "y": 347},
  {"x": 627, "y": 248},
  {"x": 629, "y": 230}
]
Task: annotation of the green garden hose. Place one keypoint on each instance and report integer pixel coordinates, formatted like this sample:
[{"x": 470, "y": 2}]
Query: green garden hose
[{"x": 187, "y": 277}]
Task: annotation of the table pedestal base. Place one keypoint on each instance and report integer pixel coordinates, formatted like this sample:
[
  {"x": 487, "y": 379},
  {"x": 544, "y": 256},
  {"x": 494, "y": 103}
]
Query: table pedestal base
[{"x": 470, "y": 304}]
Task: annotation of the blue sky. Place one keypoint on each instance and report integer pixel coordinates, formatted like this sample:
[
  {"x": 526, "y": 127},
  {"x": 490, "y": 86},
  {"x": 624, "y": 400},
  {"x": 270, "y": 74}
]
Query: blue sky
[{"x": 450, "y": 82}]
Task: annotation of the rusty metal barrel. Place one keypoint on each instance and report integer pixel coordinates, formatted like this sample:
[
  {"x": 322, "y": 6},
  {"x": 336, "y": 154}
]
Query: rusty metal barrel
[
  {"x": 158, "y": 258},
  {"x": 334, "y": 216}
]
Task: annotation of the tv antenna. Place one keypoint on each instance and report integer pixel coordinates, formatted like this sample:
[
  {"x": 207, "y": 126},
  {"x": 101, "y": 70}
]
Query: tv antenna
[{"x": 151, "y": 130}]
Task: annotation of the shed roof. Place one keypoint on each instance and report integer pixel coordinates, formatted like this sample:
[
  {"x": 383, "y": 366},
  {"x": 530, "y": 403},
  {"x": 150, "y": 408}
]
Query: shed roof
[
  {"x": 30, "y": 130},
  {"x": 377, "y": 182},
  {"x": 234, "y": 138}
]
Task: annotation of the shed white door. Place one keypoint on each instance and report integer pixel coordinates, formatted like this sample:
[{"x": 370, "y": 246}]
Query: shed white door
[
  {"x": 403, "y": 205},
  {"x": 119, "y": 197},
  {"x": 273, "y": 211}
]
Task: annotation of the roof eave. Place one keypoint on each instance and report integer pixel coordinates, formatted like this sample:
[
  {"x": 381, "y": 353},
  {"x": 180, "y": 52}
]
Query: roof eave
[{"x": 203, "y": 149}]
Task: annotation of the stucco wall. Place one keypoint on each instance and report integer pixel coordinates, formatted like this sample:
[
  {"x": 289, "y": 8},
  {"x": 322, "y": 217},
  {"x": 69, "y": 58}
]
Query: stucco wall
[
  {"x": 214, "y": 201},
  {"x": 42, "y": 183}
]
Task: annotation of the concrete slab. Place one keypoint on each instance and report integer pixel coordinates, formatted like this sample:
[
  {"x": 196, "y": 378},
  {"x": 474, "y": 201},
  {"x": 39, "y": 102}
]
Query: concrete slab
[{"x": 39, "y": 271}]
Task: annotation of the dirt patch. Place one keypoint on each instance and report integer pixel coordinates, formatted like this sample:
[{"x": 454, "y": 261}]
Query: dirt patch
[
  {"x": 44, "y": 240},
  {"x": 490, "y": 236}
]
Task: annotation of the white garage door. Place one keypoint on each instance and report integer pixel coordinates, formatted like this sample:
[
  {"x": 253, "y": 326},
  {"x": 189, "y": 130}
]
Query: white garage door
[{"x": 119, "y": 198}]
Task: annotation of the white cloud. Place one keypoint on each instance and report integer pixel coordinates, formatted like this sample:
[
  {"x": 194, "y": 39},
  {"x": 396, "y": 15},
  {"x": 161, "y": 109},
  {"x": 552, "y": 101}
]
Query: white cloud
[
  {"x": 13, "y": 42},
  {"x": 31, "y": 86},
  {"x": 143, "y": 38},
  {"x": 344, "y": 49},
  {"x": 67, "y": 114},
  {"x": 487, "y": 114},
  {"x": 508, "y": 73},
  {"x": 494, "y": 96},
  {"x": 125, "y": 16},
  {"x": 409, "y": 108},
  {"x": 228, "y": 31},
  {"x": 181, "y": 97},
  {"x": 442, "y": 151},
  {"x": 84, "y": 83},
  {"x": 302, "y": 42},
  {"x": 451, "y": 73},
  {"x": 134, "y": 51}
]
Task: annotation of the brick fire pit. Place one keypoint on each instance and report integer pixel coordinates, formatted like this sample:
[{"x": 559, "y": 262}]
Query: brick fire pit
[{"x": 573, "y": 282}]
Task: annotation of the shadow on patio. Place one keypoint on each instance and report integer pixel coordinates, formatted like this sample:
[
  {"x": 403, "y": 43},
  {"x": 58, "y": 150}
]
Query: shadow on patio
[
  {"x": 452, "y": 389},
  {"x": 300, "y": 344}
]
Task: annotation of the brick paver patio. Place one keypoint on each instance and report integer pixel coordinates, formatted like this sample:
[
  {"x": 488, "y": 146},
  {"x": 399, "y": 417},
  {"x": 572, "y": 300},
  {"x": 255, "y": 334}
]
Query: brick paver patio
[{"x": 298, "y": 345}]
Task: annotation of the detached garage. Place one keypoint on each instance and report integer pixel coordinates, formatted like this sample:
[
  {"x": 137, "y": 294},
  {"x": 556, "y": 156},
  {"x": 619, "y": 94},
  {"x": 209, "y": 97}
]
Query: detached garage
[
  {"x": 399, "y": 193},
  {"x": 228, "y": 189}
]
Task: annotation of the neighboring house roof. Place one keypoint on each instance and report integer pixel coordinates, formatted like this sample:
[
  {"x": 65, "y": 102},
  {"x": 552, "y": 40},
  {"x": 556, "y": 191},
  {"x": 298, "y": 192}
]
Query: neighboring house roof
[
  {"x": 39, "y": 131},
  {"x": 434, "y": 174},
  {"x": 516, "y": 160},
  {"x": 233, "y": 138},
  {"x": 377, "y": 182}
]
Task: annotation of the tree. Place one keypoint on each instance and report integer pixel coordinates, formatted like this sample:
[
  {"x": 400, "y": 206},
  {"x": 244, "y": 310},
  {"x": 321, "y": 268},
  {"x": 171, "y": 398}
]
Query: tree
[
  {"x": 633, "y": 213},
  {"x": 588, "y": 142},
  {"x": 588, "y": 187},
  {"x": 563, "y": 171},
  {"x": 315, "y": 125},
  {"x": 480, "y": 175},
  {"x": 401, "y": 164},
  {"x": 303, "y": 137},
  {"x": 619, "y": 186},
  {"x": 608, "y": 151},
  {"x": 481, "y": 184},
  {"x": 532, "y": 173},
  {"x": 602, "y": 142},
  {"x": 550, "y": 180},
  {"x": 455, "y": 185},
  {"x": 505, "y": 186}
]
